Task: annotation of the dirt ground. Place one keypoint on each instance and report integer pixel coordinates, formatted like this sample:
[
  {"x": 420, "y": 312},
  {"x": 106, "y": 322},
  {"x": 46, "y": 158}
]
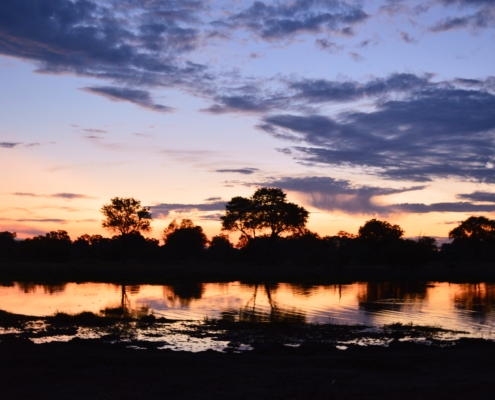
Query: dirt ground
[{"x": 87, "y": 369}]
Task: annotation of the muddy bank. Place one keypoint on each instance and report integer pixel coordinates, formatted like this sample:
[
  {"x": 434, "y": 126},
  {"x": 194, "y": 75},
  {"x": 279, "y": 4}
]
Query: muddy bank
[
  {"x": 97, "y": 370},
  {"x": 283, "y": 360}
]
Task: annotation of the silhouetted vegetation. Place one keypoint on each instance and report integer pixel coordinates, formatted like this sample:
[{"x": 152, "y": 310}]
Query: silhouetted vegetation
[{"x": 273, "y": 233}]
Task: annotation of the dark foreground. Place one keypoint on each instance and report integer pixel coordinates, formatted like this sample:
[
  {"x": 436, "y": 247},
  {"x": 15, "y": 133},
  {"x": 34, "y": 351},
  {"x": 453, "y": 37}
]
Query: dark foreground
[
  {"x": 155, "y": 273},
  {"x": 86, "y": 369}
]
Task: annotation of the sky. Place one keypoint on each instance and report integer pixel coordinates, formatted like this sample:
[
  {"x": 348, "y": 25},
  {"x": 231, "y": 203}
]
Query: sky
[{"x": 356, "y": 109}]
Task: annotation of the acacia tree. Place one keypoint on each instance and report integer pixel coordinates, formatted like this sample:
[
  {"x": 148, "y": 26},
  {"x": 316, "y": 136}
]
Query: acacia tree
[
  {"x": 266, "y": 210},
  {"x": 126, "y": 215}
]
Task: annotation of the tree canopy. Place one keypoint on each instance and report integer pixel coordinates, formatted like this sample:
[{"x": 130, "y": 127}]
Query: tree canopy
[
  {"x": 474, "y": 229},
  {"x": 379, "y": 231},
  {"x": 267, "y": 210},
  {"x": 126, "y": 215}
]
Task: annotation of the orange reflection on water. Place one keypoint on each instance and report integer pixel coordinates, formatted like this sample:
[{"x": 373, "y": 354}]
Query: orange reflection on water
[{"x": 452, "y": 306}]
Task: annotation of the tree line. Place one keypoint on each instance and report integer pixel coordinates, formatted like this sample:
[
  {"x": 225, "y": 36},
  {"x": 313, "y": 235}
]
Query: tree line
[{"x": 273, "y": 231}]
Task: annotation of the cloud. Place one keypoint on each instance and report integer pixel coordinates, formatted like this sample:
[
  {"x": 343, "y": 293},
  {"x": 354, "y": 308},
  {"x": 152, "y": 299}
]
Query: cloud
[
  {"x": 9, "y": 145},
  {"x": 56, "y": 220},
  {"x": 339, "y": 195},
  {"x": 163, "y": 210},
  {"x": 211, "y": 217},
  {"x": 139, "y": 97},
  {"x": 322, "y": 90},
  {"x": 479, "y": 196},
  {"x": 279, "y": 21},
  {"x": 407, "y": 38},
  {"x": 328, "y": 46},
  {"x": 332, "y": 194},
  {"x": 246, "y": 171},
  {"x": 67, "y": 196},
  {"x": 462, "y": 207},
  {"x": 128, "y": 41},
  {"x": 94, "y": 130},
  {"x": 356, "y": 56},
  {"x": 434, "y": 131},
  {"x": 70, "y": 196},
  {"x": 483, "y": 17}
]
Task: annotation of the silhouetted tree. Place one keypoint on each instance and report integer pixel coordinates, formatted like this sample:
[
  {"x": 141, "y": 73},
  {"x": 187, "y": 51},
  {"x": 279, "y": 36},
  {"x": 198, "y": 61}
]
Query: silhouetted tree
[
  {"x": 380, "y": 242},
  {"x": 474, "y": 230},
  {"x": 221, "y": 249},
  {"x": 184, "y": 241},
  {"x": 53, "y": 246},
  {"x": 266, "y": 211},
  {"x": 473, "y": 239},
  {"x": 379, "y": 231},
  {"x": 7, "y": 244},
  {"x": 126, "y": 215}
]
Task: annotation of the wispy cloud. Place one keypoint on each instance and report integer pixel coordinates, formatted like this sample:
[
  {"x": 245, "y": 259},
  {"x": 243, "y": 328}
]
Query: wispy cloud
[{"x": 245, "y": 171}]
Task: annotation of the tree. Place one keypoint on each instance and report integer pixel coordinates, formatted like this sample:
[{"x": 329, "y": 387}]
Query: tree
[
  {"x": 474, "y": 230},
  {"x": 379, "y": 231},
  {"x": 185, "y": 240},
  {"x": 126, "y": 215},
  {"x": 266, "y": 210}
]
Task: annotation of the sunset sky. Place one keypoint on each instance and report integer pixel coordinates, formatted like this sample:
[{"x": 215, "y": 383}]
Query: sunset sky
[{"x": 357, "y": 109}]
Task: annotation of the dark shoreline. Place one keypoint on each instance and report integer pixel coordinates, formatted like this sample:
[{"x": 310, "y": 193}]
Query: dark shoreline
[
  {"x": 86, "y": 370},
  {"x": 108, "y": 368},
  {"x": 155, "y": 273}
]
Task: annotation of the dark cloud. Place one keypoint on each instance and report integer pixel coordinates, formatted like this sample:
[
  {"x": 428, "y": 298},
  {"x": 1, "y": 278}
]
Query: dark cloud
[
  {"x": 139, "y": 97},
  {"x": 484, "y": 17},
  {"x": 486, "y": 197},
  {"x": 213, "y": 199},
  {"x": 339, "y": 195},
  {"x": 328, "y": 46},
  {"x": 137, "y": 42},
  {"x": 246, "y": 171},
  {"x": 284, "y": 20},
  {"x": 438, "y": 131},
  {"x": 332, "y": 194},
  {"x": 462, "y": 207},
  {"x": 163, "y": 210},
  {"x": 9, "y": 145},
  {"x": 322, "y": 90}
]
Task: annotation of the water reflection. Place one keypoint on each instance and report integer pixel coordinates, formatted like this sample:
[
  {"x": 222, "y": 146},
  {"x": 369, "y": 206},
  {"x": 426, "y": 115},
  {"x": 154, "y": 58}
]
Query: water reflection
[
  {"x": 477, "y": 298},
  {"x": 451, "y": 306},
  {"x": 184, "y": 293},
  {"x": 125, "y": 308},
  {"x": 276, "y": 313},
  {"x": 390, "y": 296},
  {"x": 27, "y": 287}
]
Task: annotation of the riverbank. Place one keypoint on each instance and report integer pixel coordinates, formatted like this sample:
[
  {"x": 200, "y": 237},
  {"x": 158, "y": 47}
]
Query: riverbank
[
  {"x": 283, "y": 360},
  {"x": 92, "y": 369},
  {"x": 153, "y": 273}
]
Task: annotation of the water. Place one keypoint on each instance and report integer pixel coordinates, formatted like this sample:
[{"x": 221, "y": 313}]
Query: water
[{"x": 461, "y": 307}]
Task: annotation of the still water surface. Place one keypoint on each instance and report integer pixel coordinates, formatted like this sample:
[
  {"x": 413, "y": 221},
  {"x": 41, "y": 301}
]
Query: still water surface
[{"x": 466, "y": 307}]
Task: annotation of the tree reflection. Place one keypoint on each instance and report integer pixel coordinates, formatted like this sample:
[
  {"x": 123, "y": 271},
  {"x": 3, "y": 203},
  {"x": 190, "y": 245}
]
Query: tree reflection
[
  {"x": 184, "y": 293},
  {"x": 276, "y": 314},
  {"x": 28, "y": 287},
  {"x": 479, "y": 298},
  {"x": 390, "y": 296},
  {"x": 125, "y": 309}
]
